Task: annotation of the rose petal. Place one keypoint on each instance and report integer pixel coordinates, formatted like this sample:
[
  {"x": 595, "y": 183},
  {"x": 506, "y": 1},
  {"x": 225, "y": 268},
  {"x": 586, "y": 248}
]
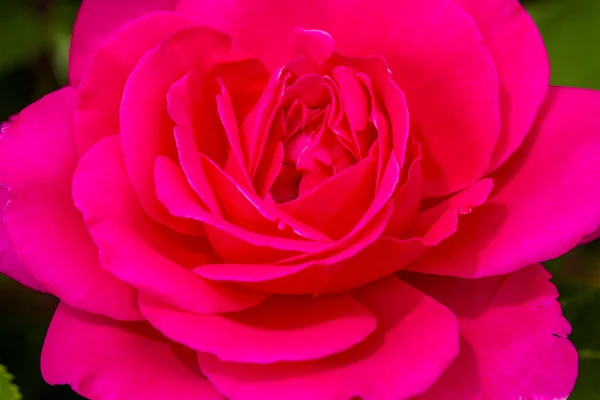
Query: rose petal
[
  {"x": 387, "y": 255},
  {"x": 246, "y": 210},
  {"x": 230, "y": 241},
  {"x": 355, "y": 27},
  {"x": 335, "y": 206},
  {"x": 101, "y": 88},
  {"x": 520, "y": 57},
  {"x": 270, "y": 167},
  {"x": 415, "y": 340},
  {"x": 146, "y": 129},
  {"x": 47, "y": 233},
  {"x": 191, "y": 108},
  {"x": 105, "y": 360},
  {"x": 392, "y": 129},
  {"x": 383, "y": 257},
  {"x": 591, "y": 237},
  {"x": 98, "y": 20},
  {"x": 513, "y": 337},
  {"x": 302, "y": 274},
  {"x": 386, "y": 189},
  {"x": 134, "y": 248},
  {"x": 343, "y": 265},
  {"x": 182, "y": 109},
  {"x": 458, "y": 120},
  {"x": 435, "y": 222},
  {"x": 241, "y": 208},
  {"x": 433, "y": 49},
  {"x": 354, "y": 100},
  {"x": 9, "y": 265},
  {"x": 282, "y": 328},
  {"x": 317, "y": 45},
  {"x": 260, "y": 120},
  {"x": 207, "y": 115},
  {"x": 543, "y": 204},
  {"x": 407, "y": 200}
]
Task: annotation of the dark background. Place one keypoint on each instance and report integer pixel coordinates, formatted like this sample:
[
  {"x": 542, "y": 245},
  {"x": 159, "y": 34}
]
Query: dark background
[{"x": 34, "y": 42}]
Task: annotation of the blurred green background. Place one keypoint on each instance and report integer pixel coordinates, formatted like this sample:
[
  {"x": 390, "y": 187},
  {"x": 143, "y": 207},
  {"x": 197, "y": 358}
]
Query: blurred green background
[{"x": 34, "y": 42}]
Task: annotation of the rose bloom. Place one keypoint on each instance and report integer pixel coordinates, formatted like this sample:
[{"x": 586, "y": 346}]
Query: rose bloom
[{"x": 313, "y": 199}]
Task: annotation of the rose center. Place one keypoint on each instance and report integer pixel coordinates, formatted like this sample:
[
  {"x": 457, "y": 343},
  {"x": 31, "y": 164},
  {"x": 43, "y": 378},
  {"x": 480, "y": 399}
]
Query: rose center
[{"x": 319, "y": 141}]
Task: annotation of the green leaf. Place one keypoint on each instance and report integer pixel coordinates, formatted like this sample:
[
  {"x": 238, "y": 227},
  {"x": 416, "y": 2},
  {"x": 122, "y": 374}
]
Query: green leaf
[
  {"x": 8, "y": 390},
  {"x": 577, "y": 276},
  {"x": 571, "y": 31},
  {"x": 21, "y": 35},
  {"x": 582, "y": 307},
  {"x": 588, "y": 384},
  {"x": 61, "y": 17}
]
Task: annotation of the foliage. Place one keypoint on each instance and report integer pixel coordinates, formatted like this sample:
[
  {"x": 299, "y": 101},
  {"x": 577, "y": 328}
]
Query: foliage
[{"x": 8, "y": 390}]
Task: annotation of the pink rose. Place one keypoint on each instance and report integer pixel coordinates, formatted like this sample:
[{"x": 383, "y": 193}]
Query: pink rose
[{"x": 266, "y": 199}]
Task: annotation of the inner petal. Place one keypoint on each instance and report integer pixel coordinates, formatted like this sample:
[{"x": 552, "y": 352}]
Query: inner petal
[{"x": 324, "y": 127}]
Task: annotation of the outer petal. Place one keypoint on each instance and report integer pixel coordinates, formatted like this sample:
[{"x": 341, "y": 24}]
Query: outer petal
[
  {"x": 97, "y": 20},
  {"x": 106, "y": 360},
  {"x": 513, "y": 338},
  {"x": 457, "y": 117},
  {"x": 135, "y": 248},
  {"x": 415, "y": 340},
  {"x": 545, "y": 201},
  {"x": 591, "y": 237},
  {"x": 252, "y": 25},
  {"x": 37, "y": 160},
  {"x": 8, "y": 261},
  {"x": 282, "y": 328},
  {"x": 522, "y": 63}
]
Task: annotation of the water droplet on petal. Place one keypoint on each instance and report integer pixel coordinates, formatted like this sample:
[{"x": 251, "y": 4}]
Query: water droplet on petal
[
  {"x": 281, "y": 225},
  {"x": 464, "y": 210}
]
